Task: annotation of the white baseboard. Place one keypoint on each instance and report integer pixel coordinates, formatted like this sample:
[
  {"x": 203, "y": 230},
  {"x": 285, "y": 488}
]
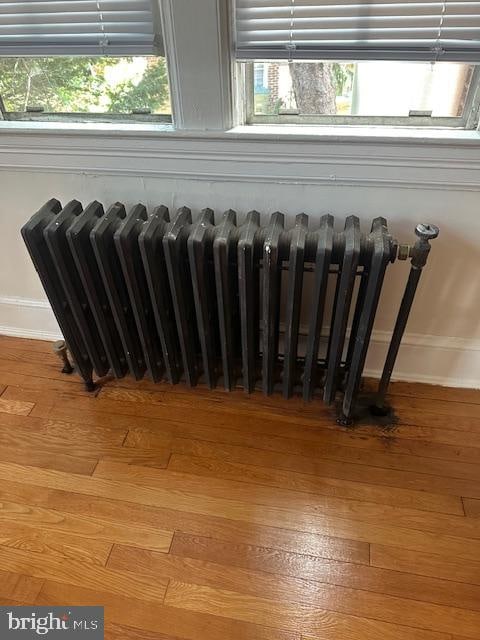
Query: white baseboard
[
  {"x": 25, "y": 318},
  {"x": 445, "y": 360},
  {"x": 429, "y": 363}
]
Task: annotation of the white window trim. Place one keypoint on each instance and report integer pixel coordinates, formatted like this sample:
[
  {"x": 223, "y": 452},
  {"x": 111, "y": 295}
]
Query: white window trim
[
  {"x": 269, "y": 133},
  {"x": 198, "y": 50},
  {"x": 207, "y": 92}
]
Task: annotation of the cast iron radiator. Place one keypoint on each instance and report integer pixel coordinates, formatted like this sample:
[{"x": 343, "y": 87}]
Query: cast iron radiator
[{"x": 222, "y": 303}]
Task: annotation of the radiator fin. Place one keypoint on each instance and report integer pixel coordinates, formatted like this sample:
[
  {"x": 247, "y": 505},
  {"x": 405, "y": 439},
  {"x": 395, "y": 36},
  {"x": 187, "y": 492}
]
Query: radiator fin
[
  {"x": 294, "y": 302},
  {"x": 32, "y": 233},
  {"x": 128, "y": 249},
  {"x": 56, "y": 239},
  {"x": 175, "y": 247},
  {"x": 78, "y": 237},
  {"x": 200, "y": 254},
  {"x": 361, "y": 331},
  {"x": 150, "y": 241},
  {"x": 271, "y": 300},
  {"x": 248, "y": 286},
  {"x": 343, "y": 298},
  {"x": 322, "y": 267},
  {"x": 102, "y": 237},
  {"x": 224, "y": 256}
]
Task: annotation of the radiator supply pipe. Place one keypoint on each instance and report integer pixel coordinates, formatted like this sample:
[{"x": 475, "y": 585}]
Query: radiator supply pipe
[{"x": 419, "y": 254}]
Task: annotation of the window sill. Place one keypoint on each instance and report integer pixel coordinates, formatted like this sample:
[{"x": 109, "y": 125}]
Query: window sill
[
  {"x": 86, "y": 128},
  {"x": 365, "y": 134},
  {"x": 264, "y": 132}
]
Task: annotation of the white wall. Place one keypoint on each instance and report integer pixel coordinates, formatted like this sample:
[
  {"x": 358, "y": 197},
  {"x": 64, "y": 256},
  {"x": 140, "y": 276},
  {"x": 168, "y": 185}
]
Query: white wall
[{"x": 405, "y": 181}]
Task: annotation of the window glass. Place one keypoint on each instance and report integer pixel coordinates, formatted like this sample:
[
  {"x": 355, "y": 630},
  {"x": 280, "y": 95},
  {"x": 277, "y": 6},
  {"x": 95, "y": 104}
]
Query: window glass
[
  {"x": 85, "y": 85},
  {"x": 388, "y": 89}
]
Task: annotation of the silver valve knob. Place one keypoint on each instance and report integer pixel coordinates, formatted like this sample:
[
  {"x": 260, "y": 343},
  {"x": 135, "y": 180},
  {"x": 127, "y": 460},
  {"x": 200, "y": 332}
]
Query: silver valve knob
[{"x": 427, "y": 231}]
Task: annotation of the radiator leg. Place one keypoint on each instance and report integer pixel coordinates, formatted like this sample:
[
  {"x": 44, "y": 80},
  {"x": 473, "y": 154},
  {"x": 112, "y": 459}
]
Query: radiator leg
[
  {"x": 344, "y": 420},
  {"x": 90, "y": 385},
  {"x": 60, "y": 350},
  {"x": 419, "y": 254}
]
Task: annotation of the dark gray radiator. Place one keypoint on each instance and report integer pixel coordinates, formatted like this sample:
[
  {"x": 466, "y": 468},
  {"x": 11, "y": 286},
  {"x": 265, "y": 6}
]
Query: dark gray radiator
[{"x": 219, "y": 303}]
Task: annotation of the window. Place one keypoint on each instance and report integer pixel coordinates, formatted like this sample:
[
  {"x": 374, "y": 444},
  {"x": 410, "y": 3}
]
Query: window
[
  {"x": 377, "y": 62},
  {"x": 440, "y": 94},
  {"x": 86, "y": 88},
  {"x": 84, "y": 60}
]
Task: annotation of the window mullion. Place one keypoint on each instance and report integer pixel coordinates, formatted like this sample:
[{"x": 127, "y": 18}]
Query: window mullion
[
  {"x": 472, "y": 104},
  {"x": 249, "y": 89},
  {"x": 198, "y": 51}
]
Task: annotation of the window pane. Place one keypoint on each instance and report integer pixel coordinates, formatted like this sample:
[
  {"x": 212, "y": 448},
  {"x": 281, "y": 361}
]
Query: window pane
[
  {"x": 85, "y": 85},
  {"x": 362, "y": 89}
]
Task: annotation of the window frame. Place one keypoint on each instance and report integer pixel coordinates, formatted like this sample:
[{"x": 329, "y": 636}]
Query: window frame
[
  {"x": 201, "y": 74},
  {"x": 469, "y": 120},
  {"x": 81, "y": 51}
]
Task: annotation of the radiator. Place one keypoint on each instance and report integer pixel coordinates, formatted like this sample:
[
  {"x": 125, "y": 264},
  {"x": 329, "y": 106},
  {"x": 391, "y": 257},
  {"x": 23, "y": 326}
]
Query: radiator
[{"x": 227, "y": 303}]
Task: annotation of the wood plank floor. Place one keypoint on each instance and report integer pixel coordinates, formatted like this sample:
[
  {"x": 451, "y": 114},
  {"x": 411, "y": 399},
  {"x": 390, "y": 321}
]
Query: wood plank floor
[{"x": 199, "y": 515}]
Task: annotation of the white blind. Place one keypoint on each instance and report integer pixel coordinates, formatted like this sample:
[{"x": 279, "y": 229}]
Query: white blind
[
  {"x": 358, "y": 29},
  {"x": 79, "y": 27}
]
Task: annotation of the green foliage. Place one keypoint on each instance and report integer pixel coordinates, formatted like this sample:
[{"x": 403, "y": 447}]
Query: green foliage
[
  {"x": 277, "y": 105},
  {"x": 53, "y": 83},
  {"x": 150, "y": 93},
  {"x": 79, "y": 85},
  {"x": 264, "y": 105},
  {"x": 342, "y": 77}
]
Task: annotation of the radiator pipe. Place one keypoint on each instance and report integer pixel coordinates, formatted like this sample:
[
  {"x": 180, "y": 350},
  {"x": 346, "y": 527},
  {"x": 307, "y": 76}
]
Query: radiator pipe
[{"x": 419, "y": 254}]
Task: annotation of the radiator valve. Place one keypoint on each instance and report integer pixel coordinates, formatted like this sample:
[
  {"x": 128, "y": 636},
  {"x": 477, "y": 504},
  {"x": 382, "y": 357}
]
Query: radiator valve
[
  {"x": 421, "y": 249},
  {"x": 426, "y": 231}
]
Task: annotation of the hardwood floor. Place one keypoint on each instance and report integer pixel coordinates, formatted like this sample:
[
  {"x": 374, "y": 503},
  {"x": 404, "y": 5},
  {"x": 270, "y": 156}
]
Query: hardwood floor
[{"x": 199, "y": 515}]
